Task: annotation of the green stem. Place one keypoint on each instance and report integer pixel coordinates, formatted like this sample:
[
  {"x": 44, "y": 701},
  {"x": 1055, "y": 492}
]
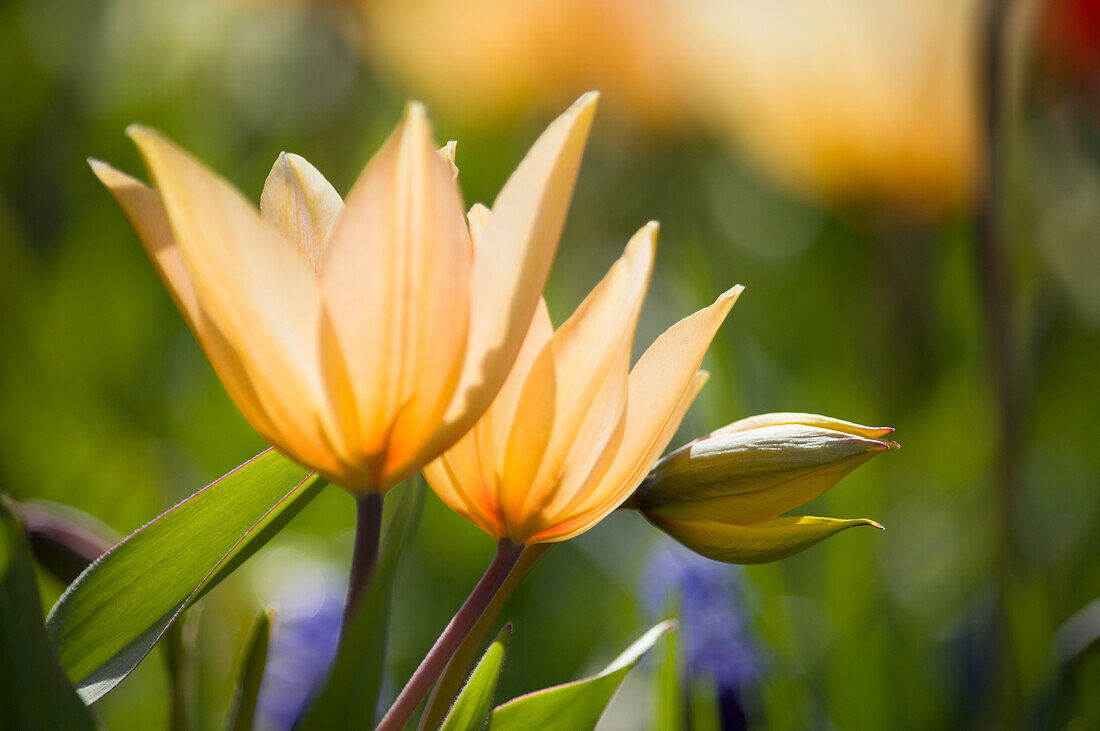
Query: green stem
[
  {"x": 456, "y": 631},
  {"x": 450, "y": 682},
  {"x": 368, "y": 529}
]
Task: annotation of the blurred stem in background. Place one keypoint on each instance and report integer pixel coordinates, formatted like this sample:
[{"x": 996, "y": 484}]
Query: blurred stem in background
[
  {"x": 460, "y": 626},
  {"x": 368, "y": 529},
  {"x": 994, "y": 281}
]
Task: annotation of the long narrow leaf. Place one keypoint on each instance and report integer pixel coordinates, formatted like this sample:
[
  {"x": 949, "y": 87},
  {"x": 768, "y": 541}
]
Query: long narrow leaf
[
  {"x": 670, "y": 713},
  {"x": 251, "y": 674},
  {"x": 117, "y": 610},
  {"x": 349, "y": 696},
  {"x": 578, "y": 705},
  {"x": 34, "y": 690},
  {"x": 471, "y": 710}
]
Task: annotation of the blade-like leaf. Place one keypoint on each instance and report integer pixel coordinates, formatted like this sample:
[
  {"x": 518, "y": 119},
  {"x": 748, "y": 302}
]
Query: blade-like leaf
[
  {"x": 349, "y": 697},
  {"x": 670, "y": 713},
  {"x": 243, "y": 711},
  {"x": 471, "y": 709},
  {"x": 117, "y": 610},
  {"x": 578, "y": 705},
  {"x": 34, "y": 691}
]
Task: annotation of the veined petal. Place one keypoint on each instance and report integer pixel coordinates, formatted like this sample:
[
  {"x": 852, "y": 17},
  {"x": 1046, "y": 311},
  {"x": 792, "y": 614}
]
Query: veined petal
[
  {"x": 823, "y": 422},
  {"x": 581, "y": 375},
  {"x": 658, "y": 382},
  {"x": 454, "y": 477},
  {"x": 513, "y": 258},
  {"x": 396, "y": 281},
  {"x": 757, "y": 543},
  {"x": 143, "y": 207},
  {"x": 467, "y": 477},
  {"x": 299, "y": 202},
  {"x": 605, "y": 498},
  {"x": 253, "y": 288}
]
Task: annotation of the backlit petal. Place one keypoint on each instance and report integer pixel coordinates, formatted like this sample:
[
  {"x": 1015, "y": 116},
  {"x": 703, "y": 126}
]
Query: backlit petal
[
  {"x": 467, "y": 476},
  {"x": 254, "y": 289},
  {"x": 299, "y": 202},
  {"x": 396, "y": 282},
  {"x": 513, "y": 258},
  {"x": 658, "y": 383},
  {"x": 143, "y": 208},
  {"x": 581, "y": 375},
  {"x": 604, "y": 499}
]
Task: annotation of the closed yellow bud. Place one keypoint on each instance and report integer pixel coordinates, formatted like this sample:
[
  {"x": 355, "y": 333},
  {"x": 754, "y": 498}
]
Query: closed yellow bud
[{"x": 723, "y": 495}]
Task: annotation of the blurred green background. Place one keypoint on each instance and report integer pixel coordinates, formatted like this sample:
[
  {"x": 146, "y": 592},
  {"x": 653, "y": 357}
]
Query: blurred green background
[{"x": 863, "y": 302}]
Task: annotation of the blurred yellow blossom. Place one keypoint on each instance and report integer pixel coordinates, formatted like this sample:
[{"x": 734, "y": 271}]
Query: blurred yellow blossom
[
  {"x": 847, "y": 101},
  {"x": 484, "y": 60},
  {"x": 360, "y": 337},
  {"x": 844, "y": 99},
  {"x": 574, "y": 430}
]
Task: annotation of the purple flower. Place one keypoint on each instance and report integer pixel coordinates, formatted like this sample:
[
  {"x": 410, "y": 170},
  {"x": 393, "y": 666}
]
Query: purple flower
[
  {"x": 307, "y": 628},
  {"x": 714, "y": 630}
]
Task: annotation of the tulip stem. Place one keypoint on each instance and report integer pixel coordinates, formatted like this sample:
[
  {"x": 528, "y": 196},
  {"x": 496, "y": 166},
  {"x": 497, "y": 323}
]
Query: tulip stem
[
  {"x": 368, "y": 529},
  {"x": 451, "y": 679},
  {"x": 448, "y": 642}
]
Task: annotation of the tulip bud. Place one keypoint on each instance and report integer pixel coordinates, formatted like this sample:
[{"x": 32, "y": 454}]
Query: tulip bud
[{"x": 723, "y": 495}]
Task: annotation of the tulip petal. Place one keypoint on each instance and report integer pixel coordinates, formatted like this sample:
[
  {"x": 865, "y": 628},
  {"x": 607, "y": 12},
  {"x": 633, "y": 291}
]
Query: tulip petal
[
  {"x": 582, "y": 375},
  {"x": 769, "y": 468},
  {"x": 396, "y": 282},
  {"x": 299, "y": 202},
  {"x": 146, "y": 214},
  {"x": 757, "y": 543},
  {"x": 255, "y": 291},
  {"x": 658, "y": 383},
  {"x": 467, "y": 477},
  {"x": 513, "y": 258},
  {"x": 596, "y": 507},
  {"x": 143, "y": 207},
  {"x": 823, "y": 422},
  {"x": 447, "y": 152}
]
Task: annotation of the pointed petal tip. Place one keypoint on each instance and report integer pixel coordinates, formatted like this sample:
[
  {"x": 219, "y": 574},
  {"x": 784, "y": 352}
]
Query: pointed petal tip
[
  {"x": 108, "y": 174},
  {"x": 732, "y": 293},
  {"x": 581, "y": 112},
  {"x": 587, "y": 100},
  {"x": 138, "y": 132},
  {"x": 874, "y": 524},
  {"x": 644, "y": 241},
  {"x": 415, "y": 110},
  {"x": 100, "y": 167}
]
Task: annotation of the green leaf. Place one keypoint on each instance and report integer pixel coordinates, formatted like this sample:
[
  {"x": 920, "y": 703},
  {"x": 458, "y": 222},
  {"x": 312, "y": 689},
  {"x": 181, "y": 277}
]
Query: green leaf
[
  {"x": 251, "y": 674},
  {"x": 670, "y": 711},
  {"x": 471, "y": 709},
  {"x": 35, "y": 693},
  {"x": 577, "y": 705},
  {"x": 179, "y": 654},
  {"x": 117, "y": 610},
  {"x": 349, "y": 697}
]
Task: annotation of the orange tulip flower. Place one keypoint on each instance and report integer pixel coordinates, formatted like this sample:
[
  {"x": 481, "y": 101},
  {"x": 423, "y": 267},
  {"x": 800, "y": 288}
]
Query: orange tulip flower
[
  {"x": 360, "y": 337},
  {"x": 574, "y": 430}
]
